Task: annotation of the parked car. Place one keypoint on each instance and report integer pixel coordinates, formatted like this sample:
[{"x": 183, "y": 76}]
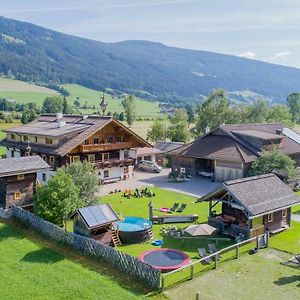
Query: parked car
[{"x": 149, "y": 166}]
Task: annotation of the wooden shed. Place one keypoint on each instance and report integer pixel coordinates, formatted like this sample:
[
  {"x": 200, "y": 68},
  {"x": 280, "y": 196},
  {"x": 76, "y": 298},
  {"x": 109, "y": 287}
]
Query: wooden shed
[
  {"x": 98, "y": 222},
  {"x": 251, "y": 206},
  {"x": 18, "y": 180}
]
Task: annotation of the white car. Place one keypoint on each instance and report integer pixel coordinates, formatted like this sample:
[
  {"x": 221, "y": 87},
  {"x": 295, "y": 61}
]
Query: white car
[{"x": 149, "y": 166}]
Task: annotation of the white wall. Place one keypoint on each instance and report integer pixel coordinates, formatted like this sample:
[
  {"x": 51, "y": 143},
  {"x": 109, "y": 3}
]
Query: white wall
[
  {"x": 48, "y": 175},
  {"x": 9, "y": 153}
]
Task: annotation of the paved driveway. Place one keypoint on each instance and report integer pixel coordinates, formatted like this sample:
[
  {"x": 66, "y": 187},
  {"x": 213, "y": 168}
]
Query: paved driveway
[{"x": 196, "y": 187}]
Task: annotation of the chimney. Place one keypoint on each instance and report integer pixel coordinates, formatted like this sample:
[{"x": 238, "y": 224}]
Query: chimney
[
  {"x": 60, "y": 120},
  {"x": 59, "y": 116},
  {"x": 279, "y": 131},
  {"x": 84, "y": 117}
]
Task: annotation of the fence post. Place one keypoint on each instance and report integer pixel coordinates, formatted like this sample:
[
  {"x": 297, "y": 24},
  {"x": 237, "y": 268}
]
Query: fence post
[
  {"x": 237, "y": 251},
  {"x": 162, "y": 283},
  {"x": 216, "y": 261},
  {"x": 257, "y": 243},
  {"x": 192, "y": 272},
  {"x": 267, "y": 239},
  {"x": 197, "y": 296}
]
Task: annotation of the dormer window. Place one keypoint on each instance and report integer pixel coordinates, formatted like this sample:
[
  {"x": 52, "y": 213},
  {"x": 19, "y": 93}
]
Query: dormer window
[
  {"x": 120, "y": 139},
  {"x": 110, "y": 139}
]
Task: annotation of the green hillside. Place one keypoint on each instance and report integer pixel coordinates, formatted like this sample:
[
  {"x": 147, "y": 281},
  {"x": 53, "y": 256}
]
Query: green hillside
[
  {"x": 92, "y": 97},
  {"x": 24, "y": 92}
]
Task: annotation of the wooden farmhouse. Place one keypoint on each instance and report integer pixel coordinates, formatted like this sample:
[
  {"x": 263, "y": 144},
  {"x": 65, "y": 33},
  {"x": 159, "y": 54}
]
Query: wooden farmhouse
[
  {"x": 98, "y": 222},
  {"x": 18, "y": 178},
  {"x": 62, "y": 139},
  {"x": 251, "y": 206},
  {"x": 227, "y": 152}
]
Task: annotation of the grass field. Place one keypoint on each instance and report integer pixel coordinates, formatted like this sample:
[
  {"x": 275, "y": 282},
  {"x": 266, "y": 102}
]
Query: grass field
[
  {"x": 259, "y": 276},
  {"x": 24, "y": 92},
  {"x": 141, "y": 127},
  {"x": 143, "y": 108},
  {"x": 163, "y": 198},
  {"x": 31, "y": 268}
]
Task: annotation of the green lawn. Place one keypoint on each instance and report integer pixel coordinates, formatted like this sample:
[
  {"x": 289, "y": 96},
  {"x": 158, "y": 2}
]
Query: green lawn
[
  {"x": 163, "y": 198},
  {"x": 259, "y": 276},
  {"x": 35, "y": 269},
  {"x": 143, "y": 108},
  {"x": 4, "y": 126}
]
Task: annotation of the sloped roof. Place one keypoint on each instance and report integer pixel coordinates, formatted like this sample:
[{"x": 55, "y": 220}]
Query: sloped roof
[
  {"x": 98, "y": 215},
  {"x": 22, "y": 165},
  {"x": 77, "y": 129},
  {"x": 165, "y": 147},
  {"x": 231, "y": 145},
  {"x": 259, "y": 195}
]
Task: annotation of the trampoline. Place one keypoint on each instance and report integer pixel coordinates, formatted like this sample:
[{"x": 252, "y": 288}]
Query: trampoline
[
  {"x": 165, "y": 259},
  {"x": 134, "y": 230}
]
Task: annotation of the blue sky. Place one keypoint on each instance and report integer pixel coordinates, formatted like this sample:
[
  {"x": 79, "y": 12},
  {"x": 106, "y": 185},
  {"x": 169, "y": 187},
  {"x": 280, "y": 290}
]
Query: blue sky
[{"x": 267, "y": 30}]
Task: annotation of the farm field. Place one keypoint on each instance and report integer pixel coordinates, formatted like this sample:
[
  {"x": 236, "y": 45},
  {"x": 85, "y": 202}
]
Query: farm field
[
  {"x": 249, "y": 277},
  {"x": 92, "y": 97},
  {"x": 24, "y": 92},
  {"x": 36, "y": 269}
]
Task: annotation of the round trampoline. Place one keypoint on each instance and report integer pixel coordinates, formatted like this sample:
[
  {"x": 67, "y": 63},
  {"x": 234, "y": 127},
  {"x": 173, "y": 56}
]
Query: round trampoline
[
  {"x": 165, "y": 259},
  {"x": 134, "y": 230}
]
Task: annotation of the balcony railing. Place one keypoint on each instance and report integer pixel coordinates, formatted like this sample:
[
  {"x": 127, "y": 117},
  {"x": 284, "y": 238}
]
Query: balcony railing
[
  {"x": 105, "y": 147},
  {"x": 113, "y": 163}
]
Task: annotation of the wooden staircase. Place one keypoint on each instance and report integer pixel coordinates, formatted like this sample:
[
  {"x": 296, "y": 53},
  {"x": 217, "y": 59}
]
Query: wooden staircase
[
  {"x": 150, "y": 233},
  {"x": 115, "y": 238}
]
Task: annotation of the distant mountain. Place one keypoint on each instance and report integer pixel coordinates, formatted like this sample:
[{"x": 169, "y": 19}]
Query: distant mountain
[{"x": 33, "y": 53}]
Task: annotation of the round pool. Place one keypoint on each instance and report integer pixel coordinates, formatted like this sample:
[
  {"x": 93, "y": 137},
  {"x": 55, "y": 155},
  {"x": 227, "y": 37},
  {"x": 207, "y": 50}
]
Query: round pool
[
  {"x": 134, "y": 230},
  {"x": 165, "y": 259}
]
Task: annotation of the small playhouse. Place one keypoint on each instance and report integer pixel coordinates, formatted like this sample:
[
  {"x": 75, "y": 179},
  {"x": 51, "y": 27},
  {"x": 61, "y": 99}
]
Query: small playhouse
[{"x": 98, "y": 222}]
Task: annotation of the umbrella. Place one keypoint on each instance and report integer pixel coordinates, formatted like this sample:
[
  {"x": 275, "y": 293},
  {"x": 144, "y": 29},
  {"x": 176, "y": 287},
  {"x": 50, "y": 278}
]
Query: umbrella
[{"x": 201, "y": 229}]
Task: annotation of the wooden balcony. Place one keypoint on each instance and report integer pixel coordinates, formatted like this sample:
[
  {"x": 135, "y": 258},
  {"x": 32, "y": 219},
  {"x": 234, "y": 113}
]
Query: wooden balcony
[
  {"x": 113, "y": 163},
  {"x": 105, "y": 147}
]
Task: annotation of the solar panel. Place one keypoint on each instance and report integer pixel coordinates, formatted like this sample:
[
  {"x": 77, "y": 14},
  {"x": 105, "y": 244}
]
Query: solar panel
[{"x": 291, "y": 134}]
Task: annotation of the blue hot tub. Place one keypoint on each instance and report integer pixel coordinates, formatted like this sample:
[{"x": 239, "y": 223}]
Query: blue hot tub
[{"x": 133, "y": 230}]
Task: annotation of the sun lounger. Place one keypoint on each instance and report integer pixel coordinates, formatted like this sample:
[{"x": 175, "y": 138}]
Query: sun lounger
[
  {"x": 202, "y": 253},
  {"x": 213, "y": 249},
  {"x": 181, "y": 208},
  {"x": 174, "y": 207}
]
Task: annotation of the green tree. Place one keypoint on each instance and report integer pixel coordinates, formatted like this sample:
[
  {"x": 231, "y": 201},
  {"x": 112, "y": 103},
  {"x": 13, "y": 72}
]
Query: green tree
[
  {"x": 179, "y": 130},
  {"x": 273, "y": 160},
  {"x": 293, "y": 101},
  {"x": 85, "y": 178},
  {"x": 191, "y": 114},
  {"x": 53, "y": 105},
  {"x": 77, "y": 102},
  {"x": 121, "y": 116},
  {"x": 280, "y": 113},
  {"x": 158, "y": 131},
  {"x": 129, "y": 107},
  {"x": 57, "y": 200},
  {"x": 256, "y": 112},
  {"x": 66, "y": 108},
  {"x": 212, "y": 112},
  {"x": 28, "y": 116}
]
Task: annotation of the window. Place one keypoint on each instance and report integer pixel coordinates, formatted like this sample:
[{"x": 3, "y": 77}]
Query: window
[
  {"x": 12, "y": 153},
  {"x": 20, "y": 177},
  {"x": 105, "y": 157},
  {"x": 25, "y": 138},
  {"x": 106, "y": 173},
  {"x": 91, "y": 158},
  {"x": 49, "y": 141},
  {"x": 96, "y": 141},
  {"x": 44, "y": 177},
  {"x": 269, "y": 218},
  {"x": 51, "y": 160},
  {"x": 284, "y": 213},
  {"x": 86, "y": 142},
  {"x": 76, "y": 158},
  {"x": 36, "y": 139},
  {"x": 110, "y": 139},
  {"x": 17, "y": 196},
  {"x": 13, "y": 136},
  {"x": 120, "y": 139},
  {"x": 44, "y": 157}
]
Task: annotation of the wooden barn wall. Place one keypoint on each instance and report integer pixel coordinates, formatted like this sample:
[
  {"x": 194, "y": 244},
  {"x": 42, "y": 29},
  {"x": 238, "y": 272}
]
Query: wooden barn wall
[
  {"x": 184, "y": 162},
  {"x": 276, "y": 223}
]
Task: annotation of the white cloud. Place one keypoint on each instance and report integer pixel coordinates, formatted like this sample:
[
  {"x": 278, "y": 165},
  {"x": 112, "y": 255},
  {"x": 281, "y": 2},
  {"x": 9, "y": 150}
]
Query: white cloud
[
  {"x": 281, "y": 56},
  {"x": 248, "y": 54}
]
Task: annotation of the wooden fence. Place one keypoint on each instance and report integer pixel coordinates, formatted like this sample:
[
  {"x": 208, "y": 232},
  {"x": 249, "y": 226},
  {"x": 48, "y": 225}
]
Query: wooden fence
[
  {"x": 189, "y": 271},
  {"x": 117, "y": 259}
]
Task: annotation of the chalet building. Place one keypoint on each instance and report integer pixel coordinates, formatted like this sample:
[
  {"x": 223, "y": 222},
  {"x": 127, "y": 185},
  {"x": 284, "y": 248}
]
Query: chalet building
[
  {"x": 98, "y": 222},
  {"x": 62, "y": 139},
  {"x": 227, "y": 152},
  {"x": 18, "y": 178},
  {"x": 251, "y": 206}
]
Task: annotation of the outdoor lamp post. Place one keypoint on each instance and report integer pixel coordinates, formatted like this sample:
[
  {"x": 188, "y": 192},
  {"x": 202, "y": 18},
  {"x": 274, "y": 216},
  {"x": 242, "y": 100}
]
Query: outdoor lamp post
[{"x": 103, "y": 104}]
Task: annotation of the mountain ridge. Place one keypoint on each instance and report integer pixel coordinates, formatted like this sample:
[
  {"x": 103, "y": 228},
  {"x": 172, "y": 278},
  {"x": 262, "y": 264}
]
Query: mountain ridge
[{"x": 33, "y": 53}]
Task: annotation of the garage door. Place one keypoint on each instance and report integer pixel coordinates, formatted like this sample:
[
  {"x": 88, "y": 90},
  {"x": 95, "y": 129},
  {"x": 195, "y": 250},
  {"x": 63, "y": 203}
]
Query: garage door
[{"x": 224, "y": 174}]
